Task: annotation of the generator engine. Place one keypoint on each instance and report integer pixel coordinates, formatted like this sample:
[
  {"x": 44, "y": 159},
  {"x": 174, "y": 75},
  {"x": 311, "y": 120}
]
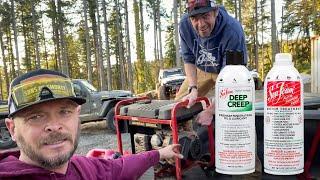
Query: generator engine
[
  {"x": 147, "y": 135},
  {"x": 194, "y": 144}
]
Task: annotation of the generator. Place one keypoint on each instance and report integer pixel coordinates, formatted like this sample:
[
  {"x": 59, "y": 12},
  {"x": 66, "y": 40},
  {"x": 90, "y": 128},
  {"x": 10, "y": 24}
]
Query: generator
[{"x": 154, "y": 124}]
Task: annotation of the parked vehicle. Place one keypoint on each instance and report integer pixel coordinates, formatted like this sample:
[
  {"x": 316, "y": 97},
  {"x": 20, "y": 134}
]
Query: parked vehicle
[
  {"x": 5, "y": 138},
  {"x": 169, "y": 82},
  {"x": 99, "y": 106}
]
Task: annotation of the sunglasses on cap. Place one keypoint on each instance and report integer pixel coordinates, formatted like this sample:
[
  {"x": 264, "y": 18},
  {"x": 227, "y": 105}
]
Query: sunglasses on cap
[
  {"x": 197, "y": 4},
  {"x": 44, "y": 88}
]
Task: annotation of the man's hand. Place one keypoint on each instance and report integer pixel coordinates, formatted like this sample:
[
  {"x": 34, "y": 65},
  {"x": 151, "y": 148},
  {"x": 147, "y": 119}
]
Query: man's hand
[
  {"x": 170, "y": 152},
  {"x": 192, "y": 96},
  {"x": 205, "y": 117}
]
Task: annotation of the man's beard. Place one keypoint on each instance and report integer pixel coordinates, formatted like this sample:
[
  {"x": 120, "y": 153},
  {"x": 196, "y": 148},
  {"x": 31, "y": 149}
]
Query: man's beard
[{"x": 40, "y": 159}]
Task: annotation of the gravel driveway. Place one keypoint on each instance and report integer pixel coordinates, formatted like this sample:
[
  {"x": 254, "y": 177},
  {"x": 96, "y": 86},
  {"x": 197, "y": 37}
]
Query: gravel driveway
[{"x": 95, "y": 135}]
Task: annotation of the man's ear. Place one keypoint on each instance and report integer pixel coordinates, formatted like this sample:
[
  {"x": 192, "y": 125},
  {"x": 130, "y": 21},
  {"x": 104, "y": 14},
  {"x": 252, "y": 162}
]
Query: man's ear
[
  {"x": 79, "y": 109},
  {"x": 10, "y": 126}
]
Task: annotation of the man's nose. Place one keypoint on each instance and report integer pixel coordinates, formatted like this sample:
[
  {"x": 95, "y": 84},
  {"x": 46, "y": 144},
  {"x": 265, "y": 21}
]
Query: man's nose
[
  {"x": 201, "y": 22},
  {"x": 53, "y": 124}
]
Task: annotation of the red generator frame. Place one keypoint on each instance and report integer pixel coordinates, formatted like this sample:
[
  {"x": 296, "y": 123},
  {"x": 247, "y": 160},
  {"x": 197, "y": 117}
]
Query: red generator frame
[{"x": 172, "y": 122}]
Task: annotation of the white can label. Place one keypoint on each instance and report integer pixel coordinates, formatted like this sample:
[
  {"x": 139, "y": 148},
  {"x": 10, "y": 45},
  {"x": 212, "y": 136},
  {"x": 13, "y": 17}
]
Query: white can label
[
  {"x": 283, "y": 128},
  {"x": 235, "y": 130}
]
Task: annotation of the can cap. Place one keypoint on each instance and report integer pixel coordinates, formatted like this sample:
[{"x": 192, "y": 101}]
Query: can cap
[
  {"x": 283, "y": 59},
  {"x": 234, "y": 57}
]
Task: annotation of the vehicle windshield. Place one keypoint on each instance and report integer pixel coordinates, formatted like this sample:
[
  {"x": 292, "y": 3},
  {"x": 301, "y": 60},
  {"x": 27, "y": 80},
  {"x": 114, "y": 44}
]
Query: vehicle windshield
[
  {"x": 89, "y": 86},
  {"x": 3, "y": 106},
  {"x": 172, "y": 72},
  {"x": 3, "y": 102}
]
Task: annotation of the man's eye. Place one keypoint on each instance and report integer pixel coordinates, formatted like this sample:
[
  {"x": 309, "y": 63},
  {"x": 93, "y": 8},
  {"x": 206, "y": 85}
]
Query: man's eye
[
  {"x": 36, "y": 117},
  {"x": 66, "y": 111}
]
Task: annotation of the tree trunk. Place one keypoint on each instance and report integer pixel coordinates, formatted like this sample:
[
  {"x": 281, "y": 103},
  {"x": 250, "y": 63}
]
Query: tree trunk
[
  {"x": 44, "y": 44},
  {"x": 256, "y": 45},
  {"x": 159, "y": 32},
  {"x": 120, "y": 47},
  {"x": 117, "y": 72},
  {"x": 143, "y": 55},
  {"x": 35, "y": 34},
  {"x": 65, "y": 62},
  {"x": 235, "y": 9},
  {"x": 155, "y": 29},
  {"x": 14, "y": 27},
  {"x": 262, "y": 45},
  {"x": 139, "y": 67},
  {"x": 5, "y": 68},
  {"x": 11, "y": 56},
  {"x": 109, "y": 72},
  {"x": 176, "y": 33},
  {"x": 56, "y": 37},
  {"x": 239, "y": 10},
  {"x": 181, "y": 8},
  {"x": 26, "y": 49},
  {"x": 137, "y": 29},
  {"x": 130, "y": 73},
  {"x": 273, "y": 31},
  {"x": 101, "y": 69},
  {"x": 92, "y": 9},
  {"x": 88, "y": 51}
]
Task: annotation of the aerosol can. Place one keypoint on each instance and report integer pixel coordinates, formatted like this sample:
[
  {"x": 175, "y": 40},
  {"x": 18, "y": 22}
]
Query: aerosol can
[
  {"x": 235, "y": 118},
  {"x": 283, "y": 118}
]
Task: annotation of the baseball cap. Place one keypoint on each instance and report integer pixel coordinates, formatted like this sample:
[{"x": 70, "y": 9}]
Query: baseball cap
[
  {"x": 195, "y": 7},
  {"x": 39, "y": 86}
]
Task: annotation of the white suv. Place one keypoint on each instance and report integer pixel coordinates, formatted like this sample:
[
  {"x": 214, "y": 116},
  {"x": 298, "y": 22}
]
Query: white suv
[{"x": 169, "y": 82}]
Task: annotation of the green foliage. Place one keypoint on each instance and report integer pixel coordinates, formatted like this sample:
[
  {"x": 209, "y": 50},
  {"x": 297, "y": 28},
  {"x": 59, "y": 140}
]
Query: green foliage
[
  {"x": 116, "y": 76},
  {"x": 82, "y": 47},
  {"x": 300, "y": 21},
  {"x": 3, "y": 88},
  {"x": 300, "y": 17},
  {"x": 139, "y": 83},
  {"x": 5, "y": 16},
  {"x": 170, "y": 54},
  {"x": 229, "y": 4},
  {"x": 301, "y": 55},
  {"x": 150, "y": 74},
  {"x": 112, "y": 29},
  {"x": 248, "y": 21},
  {"x": 76, "y": 65}
]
